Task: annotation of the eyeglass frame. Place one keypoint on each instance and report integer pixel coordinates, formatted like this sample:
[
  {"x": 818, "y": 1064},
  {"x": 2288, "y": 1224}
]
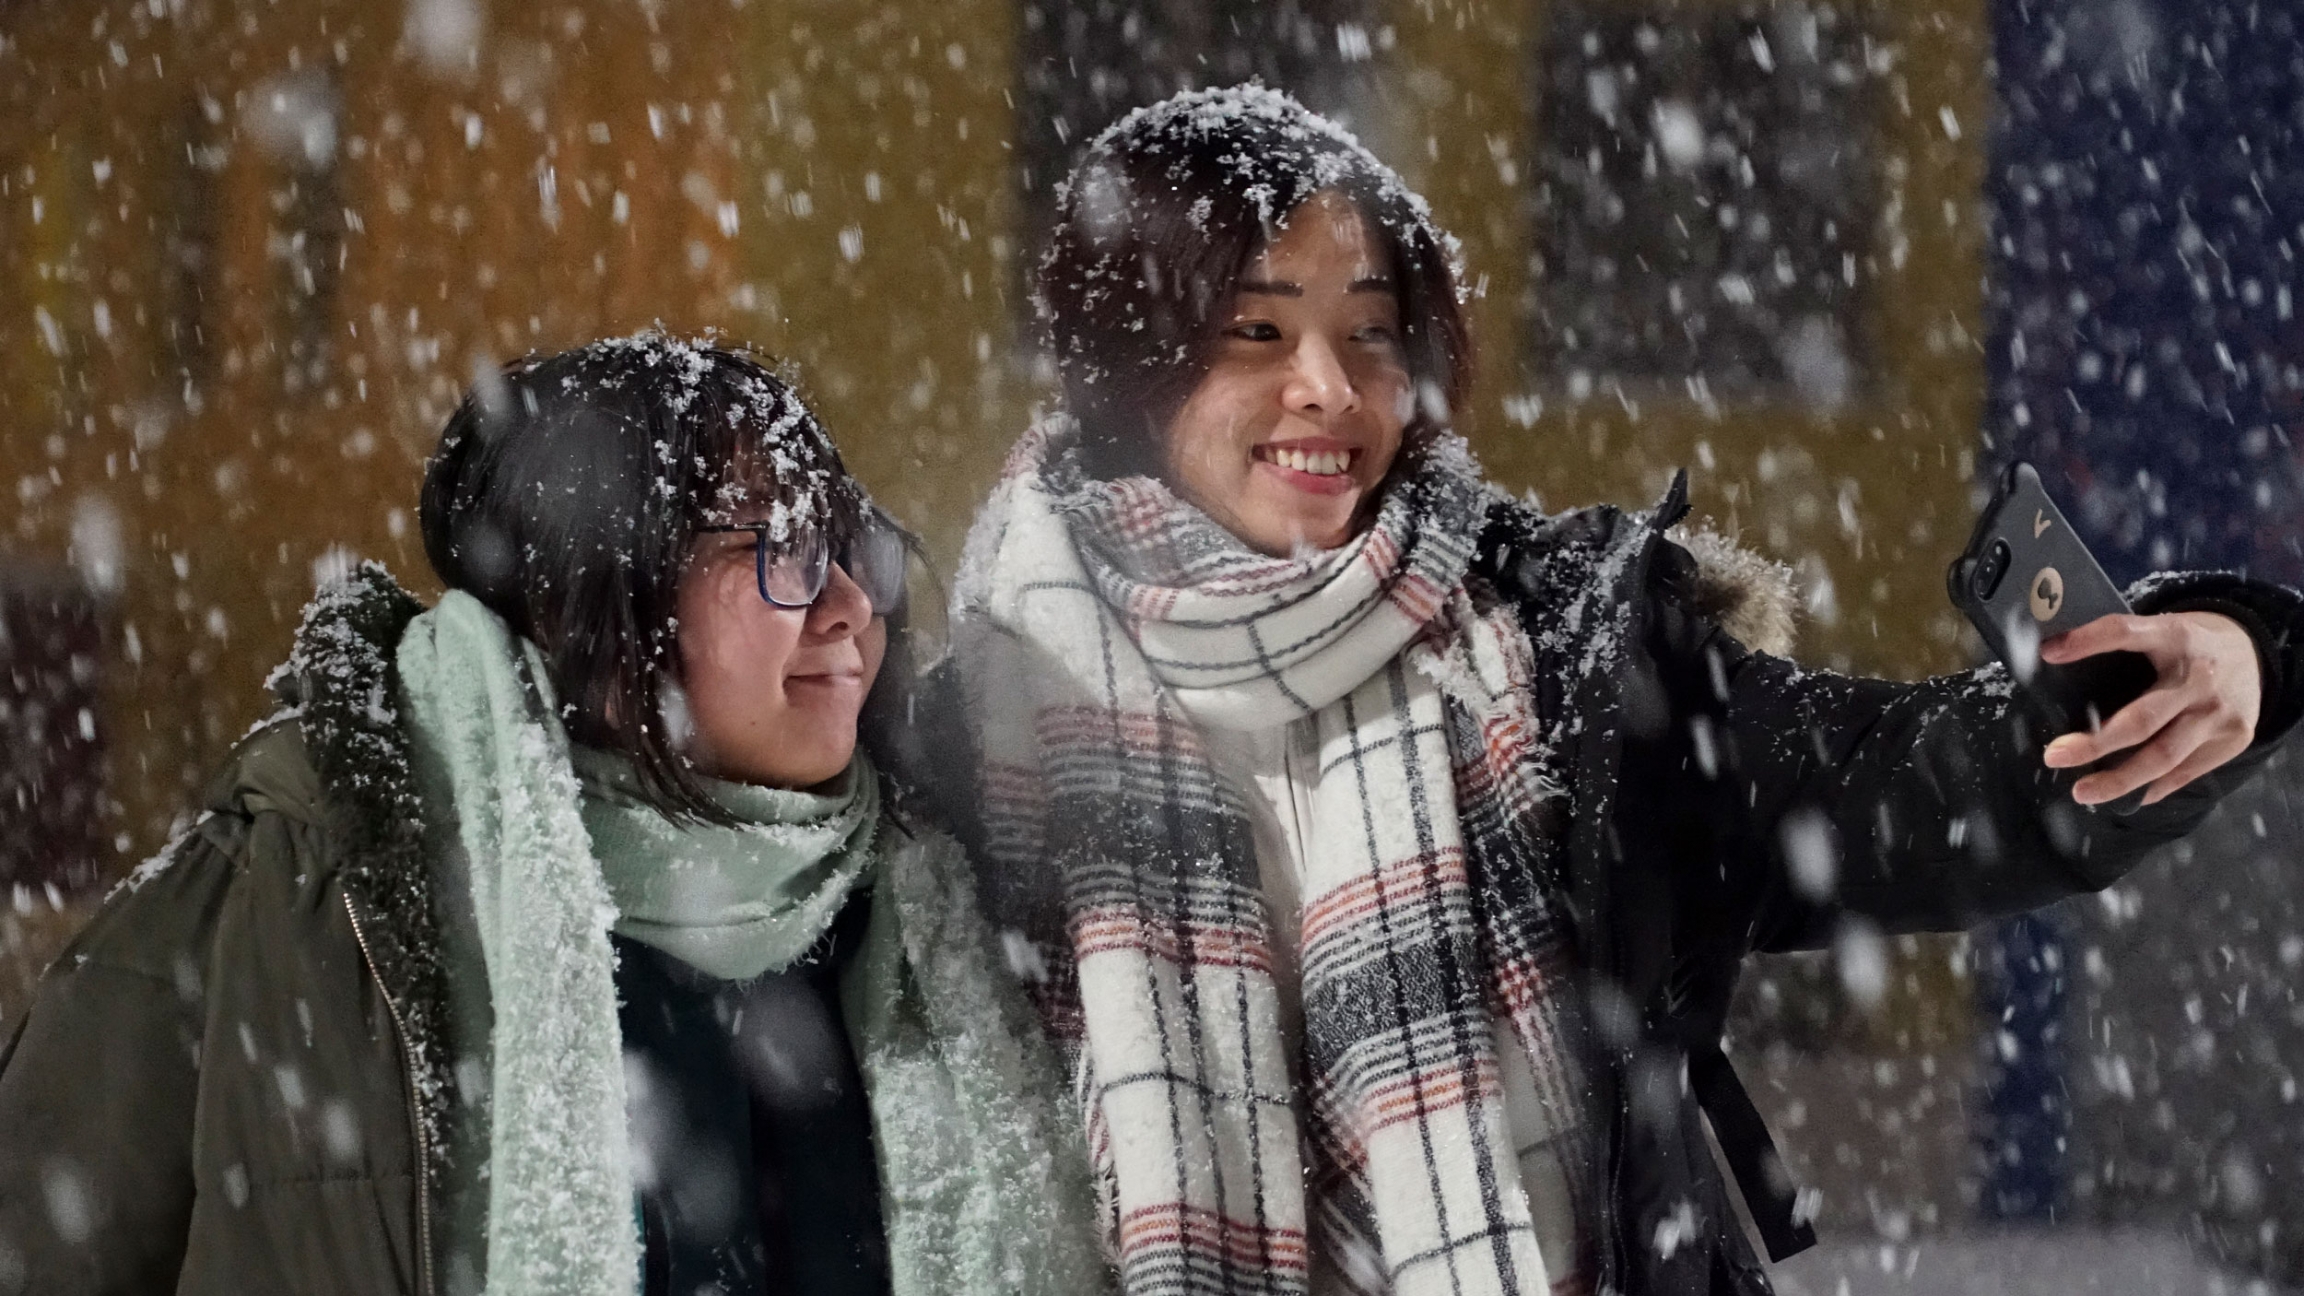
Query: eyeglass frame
[{"x": 819, "y": 573}]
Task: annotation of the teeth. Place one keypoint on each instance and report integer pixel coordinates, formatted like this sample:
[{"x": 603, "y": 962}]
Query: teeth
[{"x": 1320, "y": 463}]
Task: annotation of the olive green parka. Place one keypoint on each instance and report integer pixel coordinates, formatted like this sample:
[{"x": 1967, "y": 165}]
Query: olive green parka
[{"x": 232, "y": 1081}]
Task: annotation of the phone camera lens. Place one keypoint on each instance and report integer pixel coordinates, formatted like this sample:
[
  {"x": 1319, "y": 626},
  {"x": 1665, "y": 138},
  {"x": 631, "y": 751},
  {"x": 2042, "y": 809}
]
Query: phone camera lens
[{"x": 1990, "y": 569}]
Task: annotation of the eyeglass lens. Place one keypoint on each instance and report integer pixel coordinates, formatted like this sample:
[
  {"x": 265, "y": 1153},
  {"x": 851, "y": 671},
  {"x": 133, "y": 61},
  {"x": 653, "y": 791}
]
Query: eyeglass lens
[
  {"x": 795, "y": 578},
  {"x": 875, "y": 561}
]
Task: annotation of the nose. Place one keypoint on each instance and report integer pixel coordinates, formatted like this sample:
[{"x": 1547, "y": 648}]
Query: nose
[
  {"x": 841, "y": 610},
  {"x": 1318, "y": 384}
]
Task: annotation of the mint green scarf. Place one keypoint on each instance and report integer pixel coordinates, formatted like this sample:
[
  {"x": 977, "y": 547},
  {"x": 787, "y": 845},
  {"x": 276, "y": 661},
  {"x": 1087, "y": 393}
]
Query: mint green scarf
[
  {"x": 984, "y": 1182},
  {"x": 730, "y": 901}
]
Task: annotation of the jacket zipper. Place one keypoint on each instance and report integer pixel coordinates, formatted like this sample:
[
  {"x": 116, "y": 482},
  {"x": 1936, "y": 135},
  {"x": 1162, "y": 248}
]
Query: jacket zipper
[{"x": 415, "y": 1113}]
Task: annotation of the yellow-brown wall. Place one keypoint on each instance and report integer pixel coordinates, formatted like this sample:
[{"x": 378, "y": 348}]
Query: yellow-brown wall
[
  {"x": 825, "y": 181},
  {"x": 1900, "y": 455}
]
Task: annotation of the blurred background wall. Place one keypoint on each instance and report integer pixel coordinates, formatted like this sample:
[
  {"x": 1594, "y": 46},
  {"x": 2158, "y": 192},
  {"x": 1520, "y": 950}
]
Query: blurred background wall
[{"x": 250, "y": 254}]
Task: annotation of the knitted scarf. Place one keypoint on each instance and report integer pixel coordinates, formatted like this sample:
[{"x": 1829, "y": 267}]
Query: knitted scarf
[
  {"x": 957, "y": 1078},
  {"x": 1437, "y": 1139},
  {"x": 731, "y": 901}
]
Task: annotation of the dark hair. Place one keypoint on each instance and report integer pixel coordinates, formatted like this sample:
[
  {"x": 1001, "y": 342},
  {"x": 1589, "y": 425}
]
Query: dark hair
[
  {"x": 565, "y": 495},
  {"x": 1160, "y": 219}
]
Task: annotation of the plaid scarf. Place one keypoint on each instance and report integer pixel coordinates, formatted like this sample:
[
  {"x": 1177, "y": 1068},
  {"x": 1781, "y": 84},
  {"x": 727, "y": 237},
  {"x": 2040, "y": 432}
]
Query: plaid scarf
[{"x": 1438, "y": 1139}]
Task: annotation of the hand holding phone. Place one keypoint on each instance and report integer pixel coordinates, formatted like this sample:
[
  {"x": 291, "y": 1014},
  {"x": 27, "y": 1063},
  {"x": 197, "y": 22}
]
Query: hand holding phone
[
  {"x": 2024, "y": 578},
  {"x": 2201, "y": 713},
  {"x": 2153, "y": 701}
]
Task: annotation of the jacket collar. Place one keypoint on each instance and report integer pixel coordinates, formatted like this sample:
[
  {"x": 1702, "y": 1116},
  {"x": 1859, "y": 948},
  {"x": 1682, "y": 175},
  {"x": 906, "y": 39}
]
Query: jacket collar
[
  {"x": 1753, "y": 597},
  {"x": 1584, "y": 580},
  {"x": 341, "y": 680}
]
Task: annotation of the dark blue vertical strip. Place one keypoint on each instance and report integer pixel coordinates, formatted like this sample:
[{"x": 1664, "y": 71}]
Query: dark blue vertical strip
[
  {"x": 2027, "y": 1104},
  {"x": 2146, "y": 344},
  {"x": 2144, "y": 349}
]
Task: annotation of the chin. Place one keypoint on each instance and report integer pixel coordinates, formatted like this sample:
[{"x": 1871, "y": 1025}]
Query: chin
[
  {"x": 1322, "y": 523},
  {"x": 826, "y": 762},
  {"x": 1319, "y": 533},
  {"x": 786, "y": 768},
  {"x": 832, "y": 762},
  {"x": 817, "y": 778}
]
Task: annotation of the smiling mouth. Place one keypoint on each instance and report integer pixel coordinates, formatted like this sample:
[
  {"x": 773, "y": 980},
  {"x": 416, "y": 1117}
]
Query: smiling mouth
[{"x": 1318, "y": 463}]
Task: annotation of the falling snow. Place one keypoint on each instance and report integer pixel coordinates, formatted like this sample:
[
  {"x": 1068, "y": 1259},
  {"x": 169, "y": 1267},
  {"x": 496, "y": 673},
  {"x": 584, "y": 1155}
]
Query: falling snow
[{"x": 1839, "y": 261}]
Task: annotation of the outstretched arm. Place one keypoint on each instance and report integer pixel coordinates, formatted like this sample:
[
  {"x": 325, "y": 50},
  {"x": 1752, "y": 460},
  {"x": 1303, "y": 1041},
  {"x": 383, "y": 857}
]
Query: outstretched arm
[{"x": 1935, "y": 805}]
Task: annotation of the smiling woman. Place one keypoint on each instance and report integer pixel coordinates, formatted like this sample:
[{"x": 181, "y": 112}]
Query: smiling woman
[
  {"x": 1300, "y": 412},
  {"x": 1359, "y": 283},
  {"x": 578, "y": 496},
  {"x": 562, "y": 928},
  {"x": 1390, "y": 848}
]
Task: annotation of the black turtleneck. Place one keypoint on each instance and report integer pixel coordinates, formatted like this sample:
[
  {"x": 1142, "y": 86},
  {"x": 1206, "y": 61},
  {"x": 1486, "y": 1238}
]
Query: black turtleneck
[{"x": 752, "y": 1138}]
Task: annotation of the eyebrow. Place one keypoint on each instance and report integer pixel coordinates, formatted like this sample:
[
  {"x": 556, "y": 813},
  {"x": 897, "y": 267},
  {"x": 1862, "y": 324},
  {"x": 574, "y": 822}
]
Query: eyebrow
[
  {"x": 1283, "y": 288},
  {"x": 1270, "y": 288}
]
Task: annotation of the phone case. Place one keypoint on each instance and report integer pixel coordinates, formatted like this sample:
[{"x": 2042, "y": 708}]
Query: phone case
[{"x": 2026, "y": 577}]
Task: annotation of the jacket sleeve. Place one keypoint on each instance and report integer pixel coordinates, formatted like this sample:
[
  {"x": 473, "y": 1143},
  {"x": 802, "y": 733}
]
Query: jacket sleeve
[
  {"x": 1926, "y": 806},
  {"x": 97, "y": 1091}
]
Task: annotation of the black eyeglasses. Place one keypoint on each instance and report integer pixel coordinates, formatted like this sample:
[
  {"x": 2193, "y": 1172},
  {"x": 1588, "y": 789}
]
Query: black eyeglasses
[{"x": 793, "y": 575}]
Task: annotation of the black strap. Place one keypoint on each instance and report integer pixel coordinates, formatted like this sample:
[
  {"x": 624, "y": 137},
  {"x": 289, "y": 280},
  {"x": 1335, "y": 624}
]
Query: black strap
[{"x": 1744, "y": 1140}]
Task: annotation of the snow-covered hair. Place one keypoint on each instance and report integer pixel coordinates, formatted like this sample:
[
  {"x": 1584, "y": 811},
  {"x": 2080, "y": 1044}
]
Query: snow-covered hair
[
  {"x": 566, "y": 494},
  {"x": 1157, "y": 223}
]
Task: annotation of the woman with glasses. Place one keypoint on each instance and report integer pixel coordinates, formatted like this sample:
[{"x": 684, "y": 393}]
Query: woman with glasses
[{"x": 561, "y": 937}]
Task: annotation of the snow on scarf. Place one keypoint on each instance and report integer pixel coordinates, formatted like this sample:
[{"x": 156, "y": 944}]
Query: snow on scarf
[
  {"x": 979, "y": 1169},
  {"x": 1096, "y": 626}
]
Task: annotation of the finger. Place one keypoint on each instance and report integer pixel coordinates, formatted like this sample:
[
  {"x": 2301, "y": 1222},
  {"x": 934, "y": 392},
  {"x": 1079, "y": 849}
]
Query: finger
[
  {"x": 2115, "y": 633},
  {"x": 2209, "y": 757},
  {"x": 2164, "y": 753},
  {"x": 2129, "y": 726}
]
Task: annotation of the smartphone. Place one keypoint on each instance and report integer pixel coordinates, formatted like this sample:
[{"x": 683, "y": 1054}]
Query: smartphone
[{"x": 2026, "y": 577}]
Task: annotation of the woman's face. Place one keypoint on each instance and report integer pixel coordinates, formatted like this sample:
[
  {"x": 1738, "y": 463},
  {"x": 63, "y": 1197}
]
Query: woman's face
[
  {"x": 1287, "y": 439},
  {"x": 773, "y": 692}
]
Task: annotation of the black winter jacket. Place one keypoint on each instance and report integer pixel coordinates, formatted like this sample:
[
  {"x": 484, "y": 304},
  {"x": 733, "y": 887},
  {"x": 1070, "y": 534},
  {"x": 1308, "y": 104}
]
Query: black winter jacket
[
  {"x": 1688, "y": 754},
  {"x": 1691, "y": 755}
]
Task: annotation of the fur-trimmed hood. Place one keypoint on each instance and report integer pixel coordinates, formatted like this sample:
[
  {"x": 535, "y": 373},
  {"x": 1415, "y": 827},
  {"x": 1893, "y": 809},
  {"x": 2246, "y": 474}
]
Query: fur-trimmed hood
[
  {"x": 1579, "y": 555},
  {"x": 340, "y": 687},
  {"x": 212, "y": 1056},
  {"x": 1749, "y": 595}
]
